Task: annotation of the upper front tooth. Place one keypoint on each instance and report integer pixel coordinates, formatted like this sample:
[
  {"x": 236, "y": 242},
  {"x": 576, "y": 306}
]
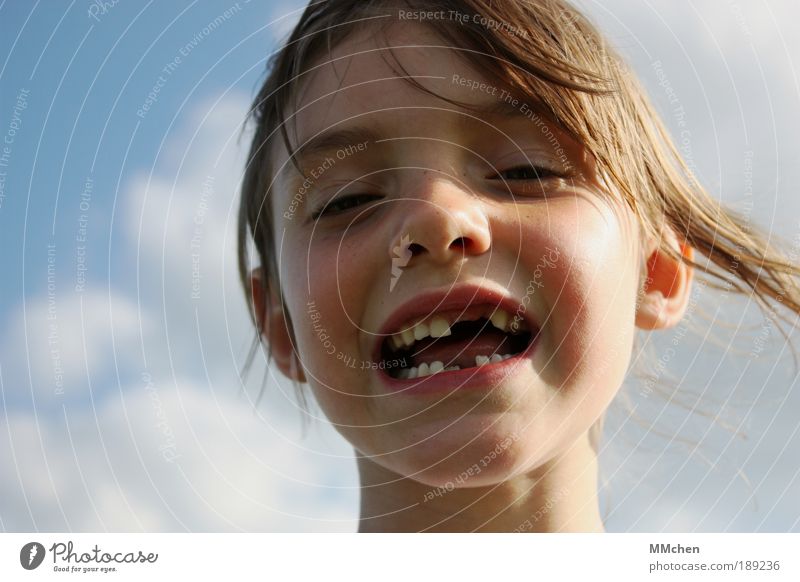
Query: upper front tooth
[
  {"x": 408, "y": 336},
  {"x": 499, "y": 319},
  {"x": 397, "y": 341},
  {"x": 421, "y": 330},
  {"x": 439, "y": 327}
]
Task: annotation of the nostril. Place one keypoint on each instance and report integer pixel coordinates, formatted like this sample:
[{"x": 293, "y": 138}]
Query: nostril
[
  {"x": 416, "y": 249},
  {"x": 460, "y": 243}
]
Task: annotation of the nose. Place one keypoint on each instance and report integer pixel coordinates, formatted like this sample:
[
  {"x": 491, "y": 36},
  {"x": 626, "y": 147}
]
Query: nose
[{"x": 443, "y": 222}]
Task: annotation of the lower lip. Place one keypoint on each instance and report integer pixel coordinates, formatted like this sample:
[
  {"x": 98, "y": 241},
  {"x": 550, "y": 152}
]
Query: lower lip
[{"x": 480, "y": 377}]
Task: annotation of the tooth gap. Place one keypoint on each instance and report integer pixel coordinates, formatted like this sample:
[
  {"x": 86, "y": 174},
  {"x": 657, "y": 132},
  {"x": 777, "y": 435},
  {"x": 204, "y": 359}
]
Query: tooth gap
[{"x": 516, "y": 347}]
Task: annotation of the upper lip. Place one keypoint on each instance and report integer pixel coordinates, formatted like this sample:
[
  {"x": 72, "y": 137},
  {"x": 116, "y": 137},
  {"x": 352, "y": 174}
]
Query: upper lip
[{"x": 457, "y": 297}]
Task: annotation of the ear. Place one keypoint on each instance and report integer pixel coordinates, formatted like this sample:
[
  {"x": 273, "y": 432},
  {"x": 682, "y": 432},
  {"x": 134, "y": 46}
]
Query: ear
[
  {"x": 273, "y": 326},
  {"x": 668, "y": 285}
]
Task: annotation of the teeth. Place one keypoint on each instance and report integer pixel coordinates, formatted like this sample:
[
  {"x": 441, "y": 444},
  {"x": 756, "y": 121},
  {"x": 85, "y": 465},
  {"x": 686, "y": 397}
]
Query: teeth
[
  {"x": 396, "y": 341},
  {"x": 423, "y": 370},
  {"x": 426, "y": 369},
  {"x": 499, "y": 319},
  {"x": 421, "y": 330},
  {"x": 439, "y": 327},
  {"x": 483, "y": 360}
]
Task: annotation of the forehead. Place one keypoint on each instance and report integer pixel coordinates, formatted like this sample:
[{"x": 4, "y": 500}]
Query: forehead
[{"x": 373, "y": 72}]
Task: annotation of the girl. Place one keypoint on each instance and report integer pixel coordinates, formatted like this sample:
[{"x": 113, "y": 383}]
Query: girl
[{"x": 463, "y": 210}]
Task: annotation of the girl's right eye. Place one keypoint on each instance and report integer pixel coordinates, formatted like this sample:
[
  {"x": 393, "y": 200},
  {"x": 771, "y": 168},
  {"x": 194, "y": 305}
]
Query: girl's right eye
[{"x": 342, "y": 204}]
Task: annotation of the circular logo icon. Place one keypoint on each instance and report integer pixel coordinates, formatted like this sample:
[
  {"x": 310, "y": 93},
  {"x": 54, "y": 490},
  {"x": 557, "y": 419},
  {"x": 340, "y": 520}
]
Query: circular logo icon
[{"x": 31, "y": 555}]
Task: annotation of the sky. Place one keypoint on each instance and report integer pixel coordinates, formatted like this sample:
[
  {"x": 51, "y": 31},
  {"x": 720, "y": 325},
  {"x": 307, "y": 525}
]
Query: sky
[{"x": 124, "y": 330}]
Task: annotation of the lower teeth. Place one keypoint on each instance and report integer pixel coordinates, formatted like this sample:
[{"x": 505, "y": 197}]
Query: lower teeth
[{"x": 425, "y": 369}]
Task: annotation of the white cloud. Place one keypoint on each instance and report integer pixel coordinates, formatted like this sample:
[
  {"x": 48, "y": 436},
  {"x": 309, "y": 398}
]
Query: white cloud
[
  {"x": 65, "y": 339},
  {"x": 238, "y": 467},
  {"x": 169, "y": 459}
]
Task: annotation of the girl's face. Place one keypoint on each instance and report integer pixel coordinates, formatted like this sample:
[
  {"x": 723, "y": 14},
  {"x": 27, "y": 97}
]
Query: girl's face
[{"x": 490, "y": 227}]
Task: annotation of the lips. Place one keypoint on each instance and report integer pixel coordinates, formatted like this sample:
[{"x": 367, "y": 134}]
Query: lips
[{"x": 453, "y": 332}]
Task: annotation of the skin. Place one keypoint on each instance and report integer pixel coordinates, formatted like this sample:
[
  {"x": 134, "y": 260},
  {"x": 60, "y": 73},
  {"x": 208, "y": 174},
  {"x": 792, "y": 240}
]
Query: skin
[{"x": 438, "y": 187}]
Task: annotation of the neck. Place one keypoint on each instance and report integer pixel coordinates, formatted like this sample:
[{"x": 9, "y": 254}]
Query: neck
[{"x": 559, "y": 496}]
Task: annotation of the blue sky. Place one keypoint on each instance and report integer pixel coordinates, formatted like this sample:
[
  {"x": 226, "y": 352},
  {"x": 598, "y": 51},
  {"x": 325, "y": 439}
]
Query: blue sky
[{"x": 123, "y": 408}]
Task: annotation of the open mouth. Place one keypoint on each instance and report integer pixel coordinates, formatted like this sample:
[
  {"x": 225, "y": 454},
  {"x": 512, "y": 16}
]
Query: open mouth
[{"x": 453, "y": 340}]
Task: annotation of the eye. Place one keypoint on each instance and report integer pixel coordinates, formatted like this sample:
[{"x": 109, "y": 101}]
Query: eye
[
  {"x": 342, "y": 204},
  {"x": 525, "y": 172}
]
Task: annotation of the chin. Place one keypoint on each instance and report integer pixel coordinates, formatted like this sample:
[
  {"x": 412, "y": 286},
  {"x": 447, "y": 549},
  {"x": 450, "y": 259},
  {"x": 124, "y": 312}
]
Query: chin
[{"x": 469, "y": 453}]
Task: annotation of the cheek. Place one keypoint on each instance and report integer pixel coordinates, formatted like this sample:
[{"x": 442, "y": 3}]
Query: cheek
[
  {"x": 591, "y": 297},
  {"x": 326, "y": 291},
  {"x": 327, "y": 271},
  {"x": 339, "y": 266}
]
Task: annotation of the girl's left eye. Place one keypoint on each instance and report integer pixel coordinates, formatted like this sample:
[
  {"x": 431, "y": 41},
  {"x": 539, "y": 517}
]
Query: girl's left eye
[
  {"x": 342, "y": 204},
  {"x": 525, "y": 172}
]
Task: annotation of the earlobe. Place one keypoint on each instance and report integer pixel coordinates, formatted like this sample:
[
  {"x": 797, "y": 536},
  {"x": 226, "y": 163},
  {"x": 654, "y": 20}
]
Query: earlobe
[
  {"x": 665, "y": 294},
  {"x": 273, "y": 326}
]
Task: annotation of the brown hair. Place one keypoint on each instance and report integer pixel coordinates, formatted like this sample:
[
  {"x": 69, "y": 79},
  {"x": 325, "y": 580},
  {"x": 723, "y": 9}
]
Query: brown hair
[{"x": 548, "y": 52}]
